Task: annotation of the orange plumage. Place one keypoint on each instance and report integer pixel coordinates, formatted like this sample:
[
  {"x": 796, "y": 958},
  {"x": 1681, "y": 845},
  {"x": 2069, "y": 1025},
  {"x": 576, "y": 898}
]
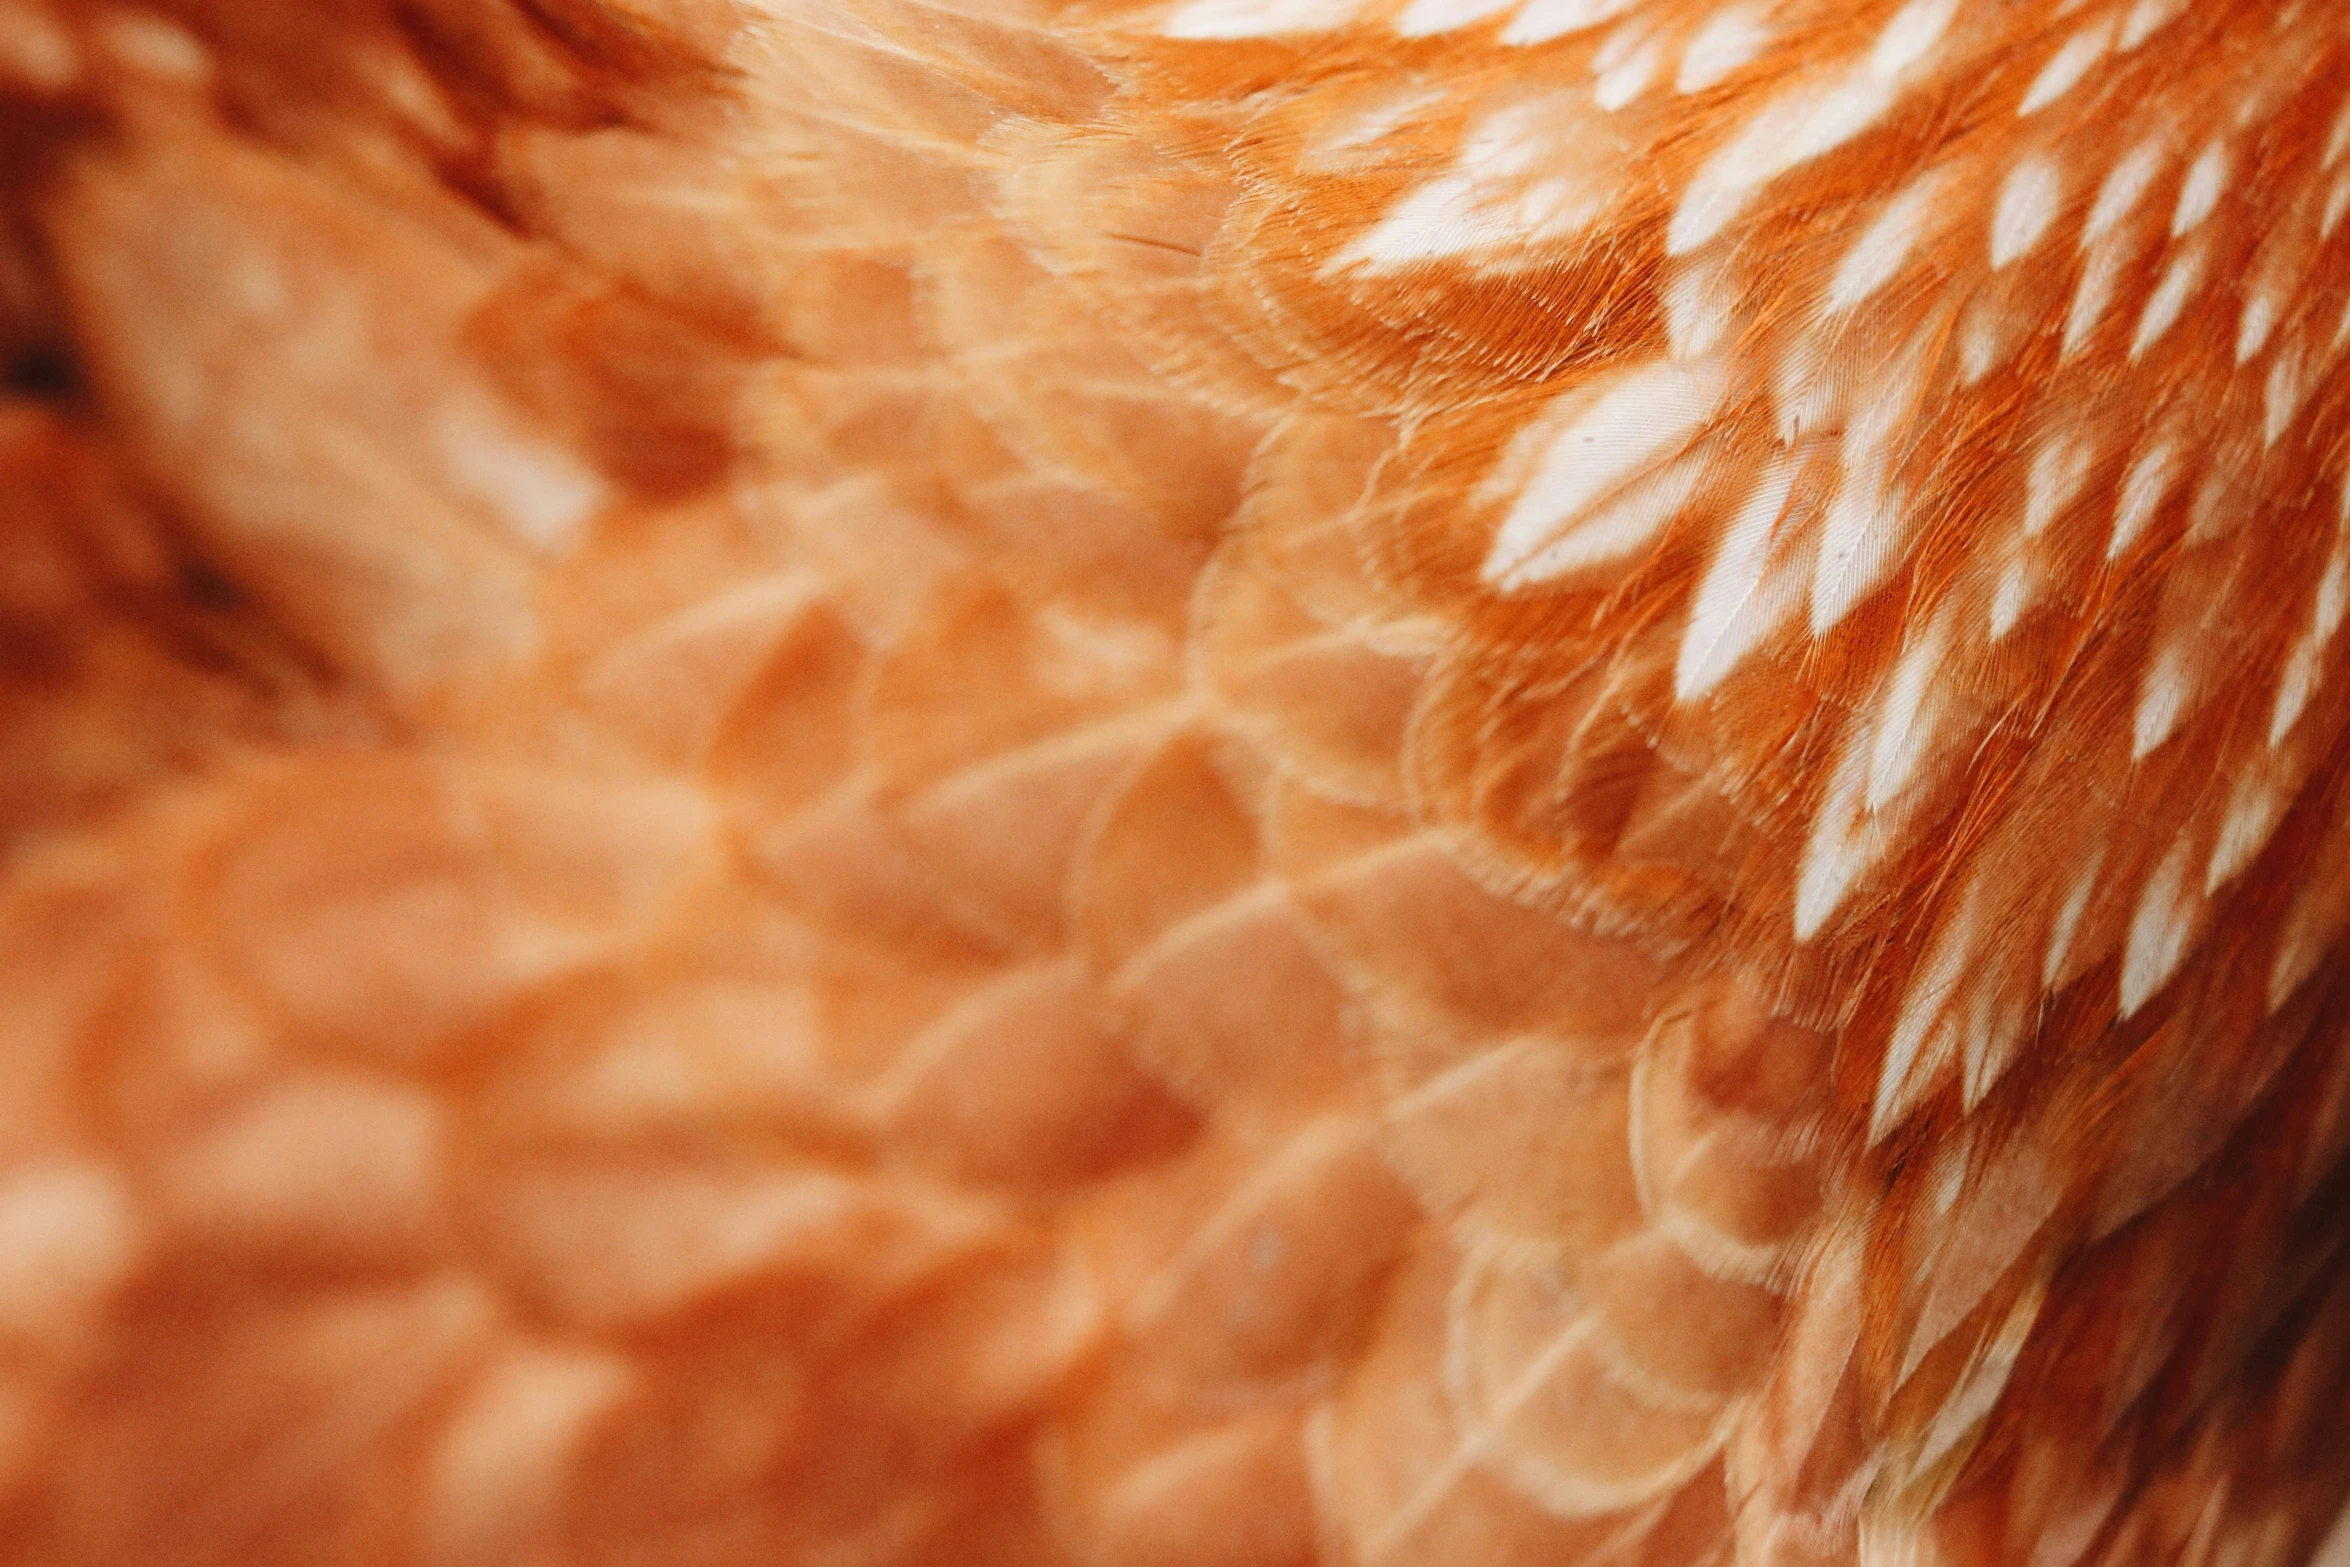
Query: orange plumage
[{"x": 1383, "y": 783}]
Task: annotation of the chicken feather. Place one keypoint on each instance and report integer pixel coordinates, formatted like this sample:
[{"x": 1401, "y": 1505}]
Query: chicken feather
[{"x": 1229, "y": 782}]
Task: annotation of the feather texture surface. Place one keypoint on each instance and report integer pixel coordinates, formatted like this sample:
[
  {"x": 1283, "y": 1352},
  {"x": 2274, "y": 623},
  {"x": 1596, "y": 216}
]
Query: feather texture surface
[{"x": 1214, "y": 782}]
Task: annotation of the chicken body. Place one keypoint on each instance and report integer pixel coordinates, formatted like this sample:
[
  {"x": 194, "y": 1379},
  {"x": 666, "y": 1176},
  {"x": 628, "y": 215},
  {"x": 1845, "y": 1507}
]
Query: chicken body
[{"x": 1226, "y": 783}]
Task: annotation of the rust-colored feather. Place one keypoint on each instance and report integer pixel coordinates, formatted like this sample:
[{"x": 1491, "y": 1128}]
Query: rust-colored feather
[{"x": 1222, "y": 782}]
